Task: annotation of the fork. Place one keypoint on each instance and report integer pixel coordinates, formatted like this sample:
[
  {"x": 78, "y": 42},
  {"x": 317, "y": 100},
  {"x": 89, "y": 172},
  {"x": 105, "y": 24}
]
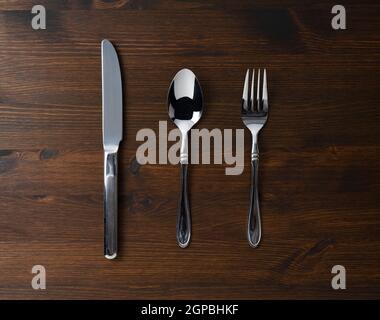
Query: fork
[{"x": 254, "y": 115}]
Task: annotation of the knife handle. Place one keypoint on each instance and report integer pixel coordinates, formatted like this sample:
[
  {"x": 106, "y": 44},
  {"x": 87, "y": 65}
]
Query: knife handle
[
  {"x": 254, "y": 220},
  {"x": 110, "y": 205},
  {"x": 183, "y": 215}
]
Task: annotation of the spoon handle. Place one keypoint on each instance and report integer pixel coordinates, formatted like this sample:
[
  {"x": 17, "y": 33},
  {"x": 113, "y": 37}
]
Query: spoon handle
[{"x": 183, "y": 215}]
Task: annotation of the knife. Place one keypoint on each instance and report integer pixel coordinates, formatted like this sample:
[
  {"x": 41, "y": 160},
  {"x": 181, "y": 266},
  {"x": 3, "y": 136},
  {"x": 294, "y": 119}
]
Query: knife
[{"x": 112, "y": 100}]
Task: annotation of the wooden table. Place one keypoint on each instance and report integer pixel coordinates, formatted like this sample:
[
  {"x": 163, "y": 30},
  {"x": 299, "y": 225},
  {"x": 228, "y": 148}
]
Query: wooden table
[{"x": 320, "y": 150}]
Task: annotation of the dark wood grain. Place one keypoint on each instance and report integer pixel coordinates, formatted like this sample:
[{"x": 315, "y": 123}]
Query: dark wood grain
[{"x": 320, "y": 151}]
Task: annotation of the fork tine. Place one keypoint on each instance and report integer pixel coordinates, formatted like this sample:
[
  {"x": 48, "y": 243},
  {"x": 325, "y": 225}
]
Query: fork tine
[
  {"x": 252, "y": 100},
  {"x": 265, "y": 92},
  {"x": 244, "y": 105},
  {"x": 258, "y": 92}
]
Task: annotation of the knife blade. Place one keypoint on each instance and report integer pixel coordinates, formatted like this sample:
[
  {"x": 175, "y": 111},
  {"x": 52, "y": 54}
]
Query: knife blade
[{"x": 112, "y": 109}]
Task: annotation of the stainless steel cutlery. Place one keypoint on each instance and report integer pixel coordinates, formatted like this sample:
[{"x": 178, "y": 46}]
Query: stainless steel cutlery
[
  {"x": 185, "y": 107},
  {"x": 112, "y": 135},
  {"x": 254, "y": 113}
]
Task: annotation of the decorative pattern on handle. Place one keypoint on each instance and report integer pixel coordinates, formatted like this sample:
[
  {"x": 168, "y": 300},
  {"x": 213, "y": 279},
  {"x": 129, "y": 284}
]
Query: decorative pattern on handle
[
  {"x": 254, "y": 220},
  {"x": 183, "y": 215}
]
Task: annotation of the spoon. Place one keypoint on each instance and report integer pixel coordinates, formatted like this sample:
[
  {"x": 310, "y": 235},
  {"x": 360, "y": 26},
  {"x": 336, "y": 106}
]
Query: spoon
[{"x": 185, "y": 106}]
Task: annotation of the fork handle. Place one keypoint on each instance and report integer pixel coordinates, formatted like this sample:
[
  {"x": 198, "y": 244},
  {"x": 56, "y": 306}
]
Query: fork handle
[
  {"x": 254, "y": 221},
  {"x": 183, "y": 214}
]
